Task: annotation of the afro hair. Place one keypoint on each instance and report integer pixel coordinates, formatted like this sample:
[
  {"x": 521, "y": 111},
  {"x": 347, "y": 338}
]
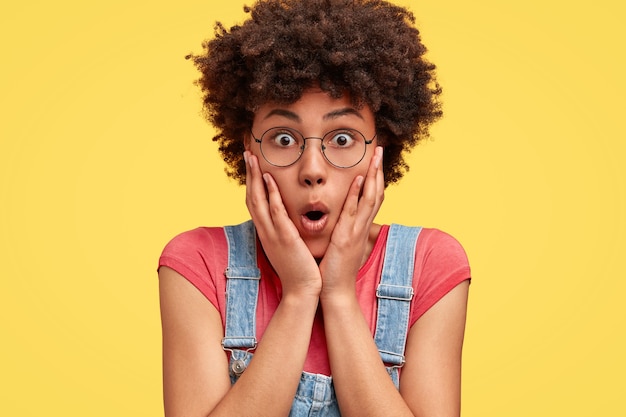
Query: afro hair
[{"x": 369, "y": 49}]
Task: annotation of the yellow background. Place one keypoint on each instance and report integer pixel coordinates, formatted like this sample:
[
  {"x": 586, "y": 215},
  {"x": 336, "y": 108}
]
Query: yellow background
[{"x": 104, "y": 157}]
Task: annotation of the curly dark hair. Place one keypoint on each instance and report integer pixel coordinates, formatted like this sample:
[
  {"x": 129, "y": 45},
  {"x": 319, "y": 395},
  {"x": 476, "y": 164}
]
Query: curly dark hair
[{"x": 367, "y": 48}]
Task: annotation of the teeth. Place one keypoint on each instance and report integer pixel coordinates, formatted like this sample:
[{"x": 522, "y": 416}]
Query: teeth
[{"x": 314, "y": 215}]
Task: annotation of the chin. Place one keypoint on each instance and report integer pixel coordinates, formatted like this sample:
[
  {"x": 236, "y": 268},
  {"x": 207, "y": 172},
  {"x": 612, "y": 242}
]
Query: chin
[{"x": 317, "y": 249}]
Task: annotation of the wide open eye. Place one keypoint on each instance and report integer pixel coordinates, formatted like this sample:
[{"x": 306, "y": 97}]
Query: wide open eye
[
  {"x": 282, "y": 139},
  {"x": 342, "y": 139}
]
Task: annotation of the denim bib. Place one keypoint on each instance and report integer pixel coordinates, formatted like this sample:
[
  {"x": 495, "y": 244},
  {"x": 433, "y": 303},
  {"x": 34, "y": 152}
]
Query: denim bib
[{"x": 315, "y": 395}]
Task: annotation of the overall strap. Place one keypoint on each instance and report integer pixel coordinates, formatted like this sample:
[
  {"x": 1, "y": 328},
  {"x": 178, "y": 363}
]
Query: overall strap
[
  {"x": 242, "y": 287},
  {"x": 394, "y": 294}
]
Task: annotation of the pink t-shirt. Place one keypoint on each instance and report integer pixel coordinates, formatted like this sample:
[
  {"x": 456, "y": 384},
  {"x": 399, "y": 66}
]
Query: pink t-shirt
[{"x": 201, "y": 256}]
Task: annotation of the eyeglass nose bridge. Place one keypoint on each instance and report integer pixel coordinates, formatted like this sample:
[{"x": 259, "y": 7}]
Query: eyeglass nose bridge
[
  {"x": 323, "y": 149},
  {"x": 303, "y": 147}
]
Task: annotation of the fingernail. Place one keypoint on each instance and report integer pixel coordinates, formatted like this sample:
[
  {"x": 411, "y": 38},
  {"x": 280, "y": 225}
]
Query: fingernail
[
  {"x": 266, "y": 177},
  {"x": 379, "y": 155},
  {"x": 359, "y": 180},
  {"x": 245, "y": 157}
]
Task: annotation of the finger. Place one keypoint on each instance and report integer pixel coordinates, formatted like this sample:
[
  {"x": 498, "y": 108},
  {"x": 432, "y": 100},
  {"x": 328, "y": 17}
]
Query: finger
[
  {"x": 256, "y": 196},
  {"x": 371, "y": 197},
  {"x": 351, "y": 204},
  {"x": 277, "y": 210},
  {"x": 343, "y": 233},
  {"x": 253, "y": 176},
  {"x": 379, "y": 191},
  {"x": 380, "y": 181},
  {"x": 281, "y": 222}
]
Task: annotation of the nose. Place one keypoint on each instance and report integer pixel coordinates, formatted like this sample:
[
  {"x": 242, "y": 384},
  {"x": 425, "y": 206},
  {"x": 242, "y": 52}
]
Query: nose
[{"x": 312, "y": 163}]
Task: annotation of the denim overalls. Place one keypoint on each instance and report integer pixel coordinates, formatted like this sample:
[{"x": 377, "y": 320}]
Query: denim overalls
[{"x": 315, "y": 395}]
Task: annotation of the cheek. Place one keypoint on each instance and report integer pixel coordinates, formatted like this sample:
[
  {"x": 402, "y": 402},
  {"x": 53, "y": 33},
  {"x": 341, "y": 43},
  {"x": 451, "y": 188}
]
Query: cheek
[
  {"x": 344, "y": 183},
  {"x": 362, "y": 170},
  {"x": 283, "y": 178}
]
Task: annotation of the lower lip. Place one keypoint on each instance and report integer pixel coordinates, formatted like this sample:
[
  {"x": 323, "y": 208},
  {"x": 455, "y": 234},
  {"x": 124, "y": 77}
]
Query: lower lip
[{"x": 314, "y": 226}]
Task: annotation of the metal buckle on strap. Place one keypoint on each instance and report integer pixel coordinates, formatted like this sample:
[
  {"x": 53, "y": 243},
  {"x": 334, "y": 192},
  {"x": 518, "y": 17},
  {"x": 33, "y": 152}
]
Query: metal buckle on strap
[
  {"x": 394, "y": 359},
  {"x": 394, "y": 292},
  {"x": 239, "y": 272},
  {"x": 239, "y": 342}
]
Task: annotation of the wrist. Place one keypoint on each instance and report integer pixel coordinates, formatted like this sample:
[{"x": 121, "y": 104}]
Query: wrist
[
  {"x": 301, "y": 287},
  {"x": 300, "y": 299},
  {"x": 338, "y": 298}
]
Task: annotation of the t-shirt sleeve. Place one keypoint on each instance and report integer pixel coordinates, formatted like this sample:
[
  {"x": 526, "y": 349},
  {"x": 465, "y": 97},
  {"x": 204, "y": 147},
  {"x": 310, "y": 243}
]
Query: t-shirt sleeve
[
  {"x": 440, "y": 265},
  {"x": 198, "y": 256}
]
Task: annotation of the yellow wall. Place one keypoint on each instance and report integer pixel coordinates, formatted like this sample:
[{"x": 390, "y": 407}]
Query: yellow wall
[{"x": 104, "y": 157}]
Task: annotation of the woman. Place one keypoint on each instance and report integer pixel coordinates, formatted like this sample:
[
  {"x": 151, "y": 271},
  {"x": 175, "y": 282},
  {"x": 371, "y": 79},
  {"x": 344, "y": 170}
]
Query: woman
[{"x": 305, "y": 310}]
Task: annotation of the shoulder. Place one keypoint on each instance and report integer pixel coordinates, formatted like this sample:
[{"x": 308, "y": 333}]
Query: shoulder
[
  {"x": 440, "y": 265},
  {"x": 433, "y": 245},
  {"x": 196, "y": 253},
  {"x": 438, "y": 246},
  {"x": 195, "y": 240}
]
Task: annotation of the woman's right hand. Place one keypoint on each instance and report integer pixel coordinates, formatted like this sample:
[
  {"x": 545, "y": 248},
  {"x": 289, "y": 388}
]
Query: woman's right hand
[{"x": 293, "y": 262}]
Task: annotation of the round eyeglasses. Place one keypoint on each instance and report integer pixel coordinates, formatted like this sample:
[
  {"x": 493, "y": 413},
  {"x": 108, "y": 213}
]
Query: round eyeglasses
[{"x": 342, "y": 148}]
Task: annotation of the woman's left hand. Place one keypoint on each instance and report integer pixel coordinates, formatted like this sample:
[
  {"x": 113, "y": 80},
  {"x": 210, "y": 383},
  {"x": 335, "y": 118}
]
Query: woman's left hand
[{"x": 349, "y": 241}]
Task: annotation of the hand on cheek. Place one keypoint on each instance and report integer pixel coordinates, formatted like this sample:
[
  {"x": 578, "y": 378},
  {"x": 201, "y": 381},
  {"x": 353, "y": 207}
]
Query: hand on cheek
[
  {"x": 349, "y": 241},
  {"x": 279, "y": 237}
]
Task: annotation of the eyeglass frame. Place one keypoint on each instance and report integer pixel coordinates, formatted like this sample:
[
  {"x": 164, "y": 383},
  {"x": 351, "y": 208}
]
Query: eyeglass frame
[{"x": 303, "y": 147}]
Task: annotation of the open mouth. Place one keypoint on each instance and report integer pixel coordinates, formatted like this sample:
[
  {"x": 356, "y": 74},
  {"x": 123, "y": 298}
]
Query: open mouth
[
  {"x": 314, "y": 221},
  {"x": 314, "y": 215}
]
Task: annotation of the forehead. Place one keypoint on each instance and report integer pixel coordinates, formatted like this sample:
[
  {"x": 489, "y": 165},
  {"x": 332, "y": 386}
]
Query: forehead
[{"x": 313, "y": 106}]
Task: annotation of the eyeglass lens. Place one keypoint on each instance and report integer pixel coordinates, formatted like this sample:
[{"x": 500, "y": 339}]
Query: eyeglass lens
[{"x": 343, "y": 148}]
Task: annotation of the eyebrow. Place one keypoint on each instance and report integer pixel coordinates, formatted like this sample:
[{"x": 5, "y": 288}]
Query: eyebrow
[
  {"x": 346, "y": 111},
  {"x": 328, "y": 116}
]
